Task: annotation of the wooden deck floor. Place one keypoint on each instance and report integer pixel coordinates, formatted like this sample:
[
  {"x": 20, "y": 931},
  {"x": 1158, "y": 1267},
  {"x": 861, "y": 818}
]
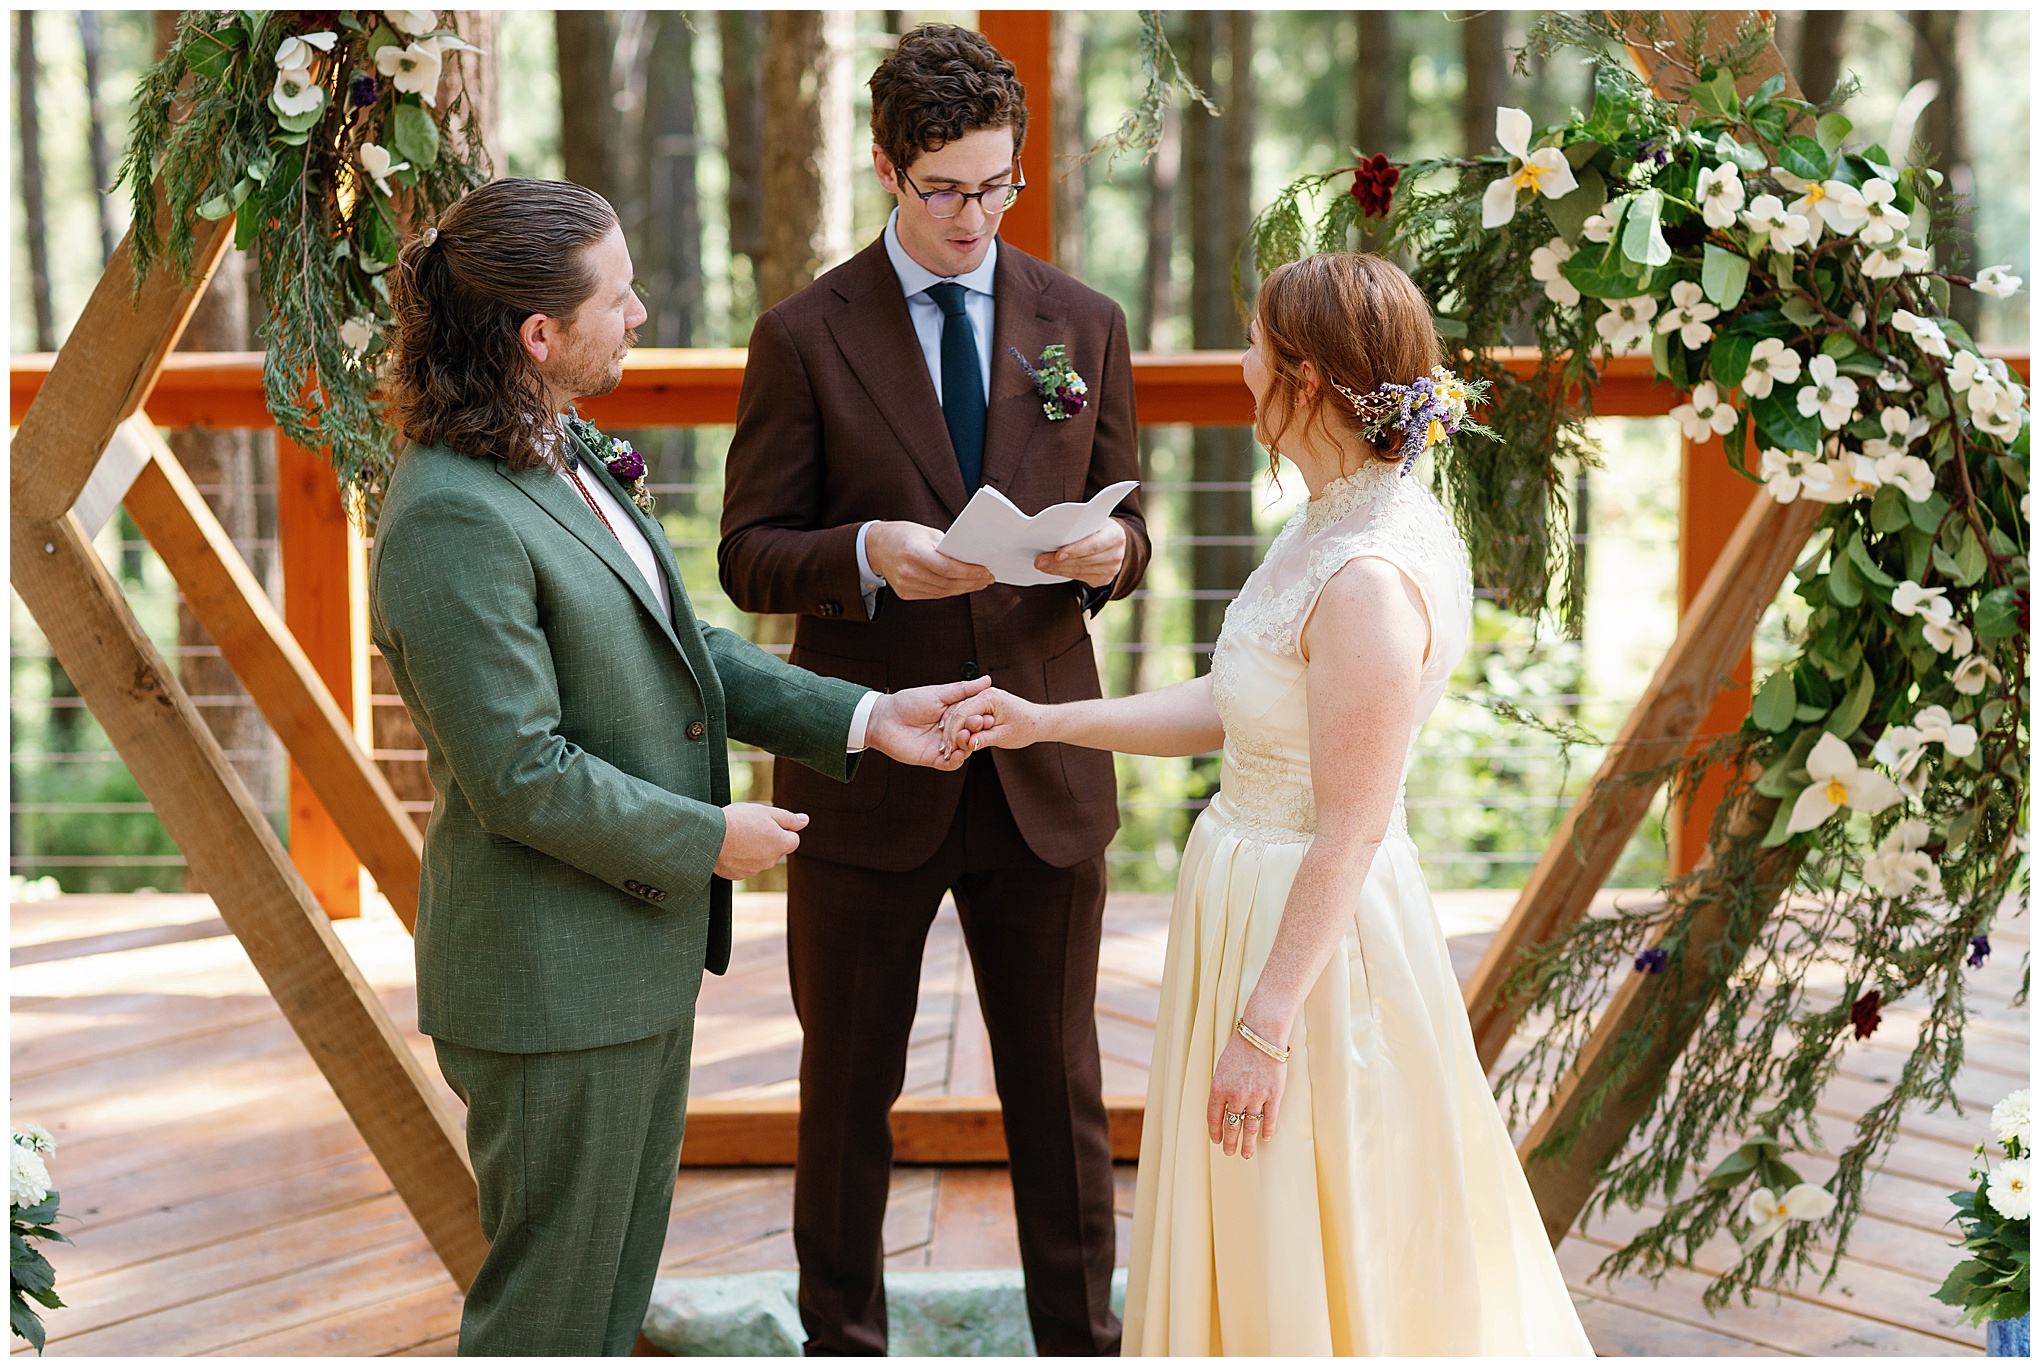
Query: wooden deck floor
[{"x": 221, "y": 1201}]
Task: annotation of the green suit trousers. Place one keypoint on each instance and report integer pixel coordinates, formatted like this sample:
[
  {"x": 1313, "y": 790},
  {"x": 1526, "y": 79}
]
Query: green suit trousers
[{"x": 575, "y": 1153}]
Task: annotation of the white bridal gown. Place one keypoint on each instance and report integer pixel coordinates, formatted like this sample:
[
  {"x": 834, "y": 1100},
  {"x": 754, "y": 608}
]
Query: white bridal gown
[{"x": 1389, "y": 1214}]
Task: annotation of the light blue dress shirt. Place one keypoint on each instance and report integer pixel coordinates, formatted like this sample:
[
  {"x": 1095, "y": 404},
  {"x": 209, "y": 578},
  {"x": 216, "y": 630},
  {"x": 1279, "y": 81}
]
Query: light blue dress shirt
[{"x": 927, "y": 319}]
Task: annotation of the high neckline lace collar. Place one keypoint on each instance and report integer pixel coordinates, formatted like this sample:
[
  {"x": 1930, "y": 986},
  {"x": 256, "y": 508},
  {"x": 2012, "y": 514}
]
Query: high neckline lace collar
[{"x": 1347, "y": 495}]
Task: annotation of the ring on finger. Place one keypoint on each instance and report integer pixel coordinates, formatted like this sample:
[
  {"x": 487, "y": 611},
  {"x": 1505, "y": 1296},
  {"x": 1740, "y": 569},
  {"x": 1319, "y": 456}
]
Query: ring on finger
[
  {"x": 1233, "y": 1119},
  {"x": 1255, "y": 1117}
]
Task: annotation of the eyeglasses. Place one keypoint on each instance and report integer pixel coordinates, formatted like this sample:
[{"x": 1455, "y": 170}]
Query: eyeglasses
[{"x": 949, "y": 203}]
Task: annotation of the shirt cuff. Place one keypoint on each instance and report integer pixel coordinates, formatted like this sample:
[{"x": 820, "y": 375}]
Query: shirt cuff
[
  {"x": 868, "y": 583},
  {"x": 859, "y": 720}
]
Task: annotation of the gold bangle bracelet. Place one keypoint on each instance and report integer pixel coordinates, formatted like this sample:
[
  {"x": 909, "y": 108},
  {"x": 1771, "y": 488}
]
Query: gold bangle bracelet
[{"x": 1279, "y": 1055}]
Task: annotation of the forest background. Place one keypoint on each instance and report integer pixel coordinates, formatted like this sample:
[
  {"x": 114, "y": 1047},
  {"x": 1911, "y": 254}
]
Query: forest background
[{"x": 735, "y": 146}]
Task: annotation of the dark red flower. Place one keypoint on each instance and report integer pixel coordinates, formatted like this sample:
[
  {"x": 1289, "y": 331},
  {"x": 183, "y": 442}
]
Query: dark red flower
[
  {"x": 1864, "y": 1016},
  {"x": 1374, "y": 185}
]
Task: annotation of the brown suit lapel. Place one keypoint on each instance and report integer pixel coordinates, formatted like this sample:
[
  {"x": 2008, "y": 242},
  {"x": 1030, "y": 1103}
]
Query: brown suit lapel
[
  {"x": 877, "y": 338},
  {"x": 1023, "y": 320}
]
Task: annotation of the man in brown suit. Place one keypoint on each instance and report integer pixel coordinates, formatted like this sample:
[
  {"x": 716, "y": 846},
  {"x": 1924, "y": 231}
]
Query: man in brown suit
[{"x": 875, "y": 402}]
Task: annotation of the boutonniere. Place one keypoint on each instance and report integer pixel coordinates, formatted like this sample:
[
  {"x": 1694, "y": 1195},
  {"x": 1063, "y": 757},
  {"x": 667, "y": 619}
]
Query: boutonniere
[
  {"x": 619, "y": 456},
  {"x": 1062, "y": 390}
]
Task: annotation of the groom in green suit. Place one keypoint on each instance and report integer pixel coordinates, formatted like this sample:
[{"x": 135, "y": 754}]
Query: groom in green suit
[{"x": 576, "y": 717}]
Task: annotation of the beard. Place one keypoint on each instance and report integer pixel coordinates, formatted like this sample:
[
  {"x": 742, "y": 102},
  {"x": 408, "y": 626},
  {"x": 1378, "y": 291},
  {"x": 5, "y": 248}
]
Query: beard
[{"x": 590, "y": 378}]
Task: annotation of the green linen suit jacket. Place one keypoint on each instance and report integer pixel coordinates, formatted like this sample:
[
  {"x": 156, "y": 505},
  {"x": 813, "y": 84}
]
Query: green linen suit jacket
[{"x": 577, "y": 744}]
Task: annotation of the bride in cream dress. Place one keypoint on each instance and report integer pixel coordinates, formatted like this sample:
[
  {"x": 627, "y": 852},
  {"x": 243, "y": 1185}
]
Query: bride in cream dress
[{"x": 1323, "y": 1168}]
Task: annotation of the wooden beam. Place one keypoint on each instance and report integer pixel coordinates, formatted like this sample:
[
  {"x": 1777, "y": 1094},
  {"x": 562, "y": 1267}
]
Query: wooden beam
[
  {"x": 1600, "y": 1100},
  {"x": 103, "y": 374},
  {"x": 225, "y": 597},
  {"x": 323, "y": 581},
  {"x": 763, "y": 1131},
  {"x": 1025, "y": 38},
  {"x": 1713, "y": 636},
  {"x": 134, "y": 695}
]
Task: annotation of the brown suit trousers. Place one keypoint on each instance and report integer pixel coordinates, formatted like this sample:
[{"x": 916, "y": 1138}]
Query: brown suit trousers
[{"x": 838, "y": 424}]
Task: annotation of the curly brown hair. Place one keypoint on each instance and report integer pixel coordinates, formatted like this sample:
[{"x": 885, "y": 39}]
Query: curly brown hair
[
  {"x": 1358, "y": 319},
  {"x": 940, "y": 83},
  {"x": 458, "y": 374}
]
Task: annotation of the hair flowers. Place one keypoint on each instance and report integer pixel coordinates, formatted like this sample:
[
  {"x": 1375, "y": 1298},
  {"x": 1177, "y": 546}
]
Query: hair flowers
[{"x": 1430, "y": 410}]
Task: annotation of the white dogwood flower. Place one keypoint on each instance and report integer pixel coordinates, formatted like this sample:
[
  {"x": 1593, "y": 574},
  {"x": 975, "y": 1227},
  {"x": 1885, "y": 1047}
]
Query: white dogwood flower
[
  {"x": 1836, "y": 203},
  {"x": 2010, "y": 1189},
  {"x": 1894, "y": 258},
  {"x": 1547, "y": 264},
  {"x": 1788, "y": 474},
  {"x": 296, "y": 92},
  {"x": 1720, "y": 192},
  {"x": 2012, "y": 1119},
  {"x": 412, "y": 22},
  {"x": 376, "y": 161},
  {"x": 1771, "y": 362},
  {"x": 1996, "y": 281},
  {"x": 1626, "y": 324},
  {"x": 1909, "y": 600},
  {"x": 356, "y": 334},
  {"x": 1768, "y": 218},
  {"x": 1689, "y": 316},
  {"x": 1827, "y": 392},
  {"x": 1899, "y": 868},
  {"x": 2004, "y": 423},
  {"x": 1704, "y": 415},
  {"x": 1597, "y": 228},
  {"x": 1925, "y": 333},
  {"x": 1544, "y": 171},
  {"x": 1838, "y": 782},
  {"x": 1975, "y": 674},
  {"x": 413, "y": 69},
  {"x": 1770, "y": 1212},
  {"x": 1882, "y": 220},
  {"x": 1949, "y": 637},
  {"x": 1937, "y": 727},
  {"x": 297, "y": 53}
]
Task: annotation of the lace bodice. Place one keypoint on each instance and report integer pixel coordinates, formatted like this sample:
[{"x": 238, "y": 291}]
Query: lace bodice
[{"x": 1257, "y": 668}]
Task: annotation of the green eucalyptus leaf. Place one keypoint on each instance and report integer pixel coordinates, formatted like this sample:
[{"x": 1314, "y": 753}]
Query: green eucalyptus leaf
[
  {"x": 299, "y": 123},
  {"x": 1796, "y": 309},
  {"x": 1643, "y": 238},
  {"x": 1772, "y": 708},
  {"x": 1723, "y": 274},
  {"x": 1869, "y": 568},
  {"x": 1997, "y": 613},
  {"x": 1729, "y": 358},
  {"x": 1749, "y": 160},
  {"x": 1570, "y": 213},
  {"x": 1849, "y": 715},
  {"x": 349, "y": 22},
  {"x": 218, "y": 207},
  {"x": 417, "y": 136},
  {"x": 384, "y": 36},
  {"x": 1804, "y": 157},
  {"x": 1838, "y": 345},
  {"x": 1970, "y": 561},
  {"x": 1831, "y": 131},
  {"x": 1927, "y": 514},
  {"x": 1843, "y": 587},
  {"x": 1661, "y": 357},
  {"x": 1887, "y": 510},
  {"x": 1599, "y": 276}
]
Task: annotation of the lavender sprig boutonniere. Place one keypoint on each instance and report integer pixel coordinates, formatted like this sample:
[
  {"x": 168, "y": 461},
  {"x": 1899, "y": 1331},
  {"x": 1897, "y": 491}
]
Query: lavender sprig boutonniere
[
  {"x": 621, "y": 458},
  {"x": 1063, "y": 391}
]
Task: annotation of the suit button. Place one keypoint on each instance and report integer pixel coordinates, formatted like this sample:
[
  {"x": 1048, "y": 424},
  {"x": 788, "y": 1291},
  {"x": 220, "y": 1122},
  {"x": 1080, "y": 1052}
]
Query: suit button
[
  {"x": 696, "y": 730},
  {"x": 832, "y": 608},
  {"x": 970, "y": 670}
]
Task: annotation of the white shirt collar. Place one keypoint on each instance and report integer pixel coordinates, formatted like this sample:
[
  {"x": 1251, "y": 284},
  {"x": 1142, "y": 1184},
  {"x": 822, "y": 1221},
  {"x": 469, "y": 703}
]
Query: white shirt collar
[{"x": 915, "y": 277}]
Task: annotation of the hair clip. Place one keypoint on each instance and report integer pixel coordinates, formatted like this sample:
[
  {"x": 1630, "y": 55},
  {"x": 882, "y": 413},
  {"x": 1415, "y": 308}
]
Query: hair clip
[{"x": 431, "y": 236}]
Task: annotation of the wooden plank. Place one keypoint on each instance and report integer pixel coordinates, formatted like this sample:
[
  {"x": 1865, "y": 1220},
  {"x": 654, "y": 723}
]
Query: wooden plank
[
  {"x": 1713, "y": 635},
  {"x": 926, "y": 1129},
  {"x": 325, "y": 587},
  {"x": 104, "y": 373},
  {"x": 152, "y": 723},
  {"x": 403, "y": 1325},
  {"x": 225, "y": 597},
  {"x": 974, "y": 1224}
]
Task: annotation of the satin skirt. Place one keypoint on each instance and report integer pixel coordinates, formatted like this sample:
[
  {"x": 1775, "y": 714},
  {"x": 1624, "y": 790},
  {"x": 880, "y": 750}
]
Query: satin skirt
[{"x": 1389, "y": 1215}]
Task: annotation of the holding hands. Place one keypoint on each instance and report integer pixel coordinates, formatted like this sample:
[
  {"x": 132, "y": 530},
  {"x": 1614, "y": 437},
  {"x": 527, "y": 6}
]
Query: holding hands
[{"x": 992, "y": 720}]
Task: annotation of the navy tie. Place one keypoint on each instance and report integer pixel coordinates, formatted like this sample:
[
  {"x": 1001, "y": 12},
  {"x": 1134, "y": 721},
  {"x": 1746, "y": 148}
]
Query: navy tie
[{"x": 963, "y": 384}]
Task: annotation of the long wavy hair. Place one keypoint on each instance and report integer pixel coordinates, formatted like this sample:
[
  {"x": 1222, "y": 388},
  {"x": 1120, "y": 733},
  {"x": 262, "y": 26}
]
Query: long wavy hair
[{"x": 458, "y": 374}]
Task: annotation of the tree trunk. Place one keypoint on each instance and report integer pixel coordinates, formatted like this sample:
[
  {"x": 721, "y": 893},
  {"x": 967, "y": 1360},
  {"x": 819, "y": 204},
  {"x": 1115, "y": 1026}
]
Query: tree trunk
[
  {"x": 742, "y": 35},
  {"x": 1938, "y": 43},
  {"x": 1071, "y": 118},
  {"x": 35, "y": 222},
  {"x": 799, "y": 94},
  {"x": 1218, "y": 151},
  {"x": 95, "y": 118},
  {"x": 1380, "y": 81},
  {"x": 482, "y": 73},
  {"x": 590, "y": 132},
  {"x": 1819, "y": 63},
  {"x": 670, "y": 152},
  {"x": 1482, "y": 35}
]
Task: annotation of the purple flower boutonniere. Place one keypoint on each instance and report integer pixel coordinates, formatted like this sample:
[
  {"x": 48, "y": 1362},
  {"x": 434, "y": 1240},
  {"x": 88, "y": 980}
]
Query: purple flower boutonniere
[
  {"x": 1063, "y": 391},
  {"x": 620, "y": 457}
]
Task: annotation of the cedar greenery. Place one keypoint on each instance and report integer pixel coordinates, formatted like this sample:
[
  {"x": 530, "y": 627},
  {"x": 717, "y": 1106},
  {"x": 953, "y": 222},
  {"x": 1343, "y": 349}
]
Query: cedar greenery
[
  {"x": 1911, "y": 663},
  {"x": 325, "y": 227}
]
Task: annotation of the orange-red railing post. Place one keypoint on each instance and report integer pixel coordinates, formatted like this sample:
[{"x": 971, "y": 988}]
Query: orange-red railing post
[
  {"x": 324, "y": 580},
  {"x": 1023, "y": 37}
]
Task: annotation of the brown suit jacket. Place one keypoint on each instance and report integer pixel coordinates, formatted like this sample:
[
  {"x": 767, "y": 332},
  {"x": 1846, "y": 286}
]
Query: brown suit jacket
[{"x": 837, "y": 424}]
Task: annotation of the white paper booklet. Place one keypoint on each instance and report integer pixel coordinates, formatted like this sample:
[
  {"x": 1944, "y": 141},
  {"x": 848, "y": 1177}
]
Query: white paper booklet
[{"x": 994, "y": 533}]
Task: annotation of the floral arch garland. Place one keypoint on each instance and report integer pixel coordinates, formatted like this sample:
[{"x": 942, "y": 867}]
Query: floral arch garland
[{"x": 1779, "y": 271}]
